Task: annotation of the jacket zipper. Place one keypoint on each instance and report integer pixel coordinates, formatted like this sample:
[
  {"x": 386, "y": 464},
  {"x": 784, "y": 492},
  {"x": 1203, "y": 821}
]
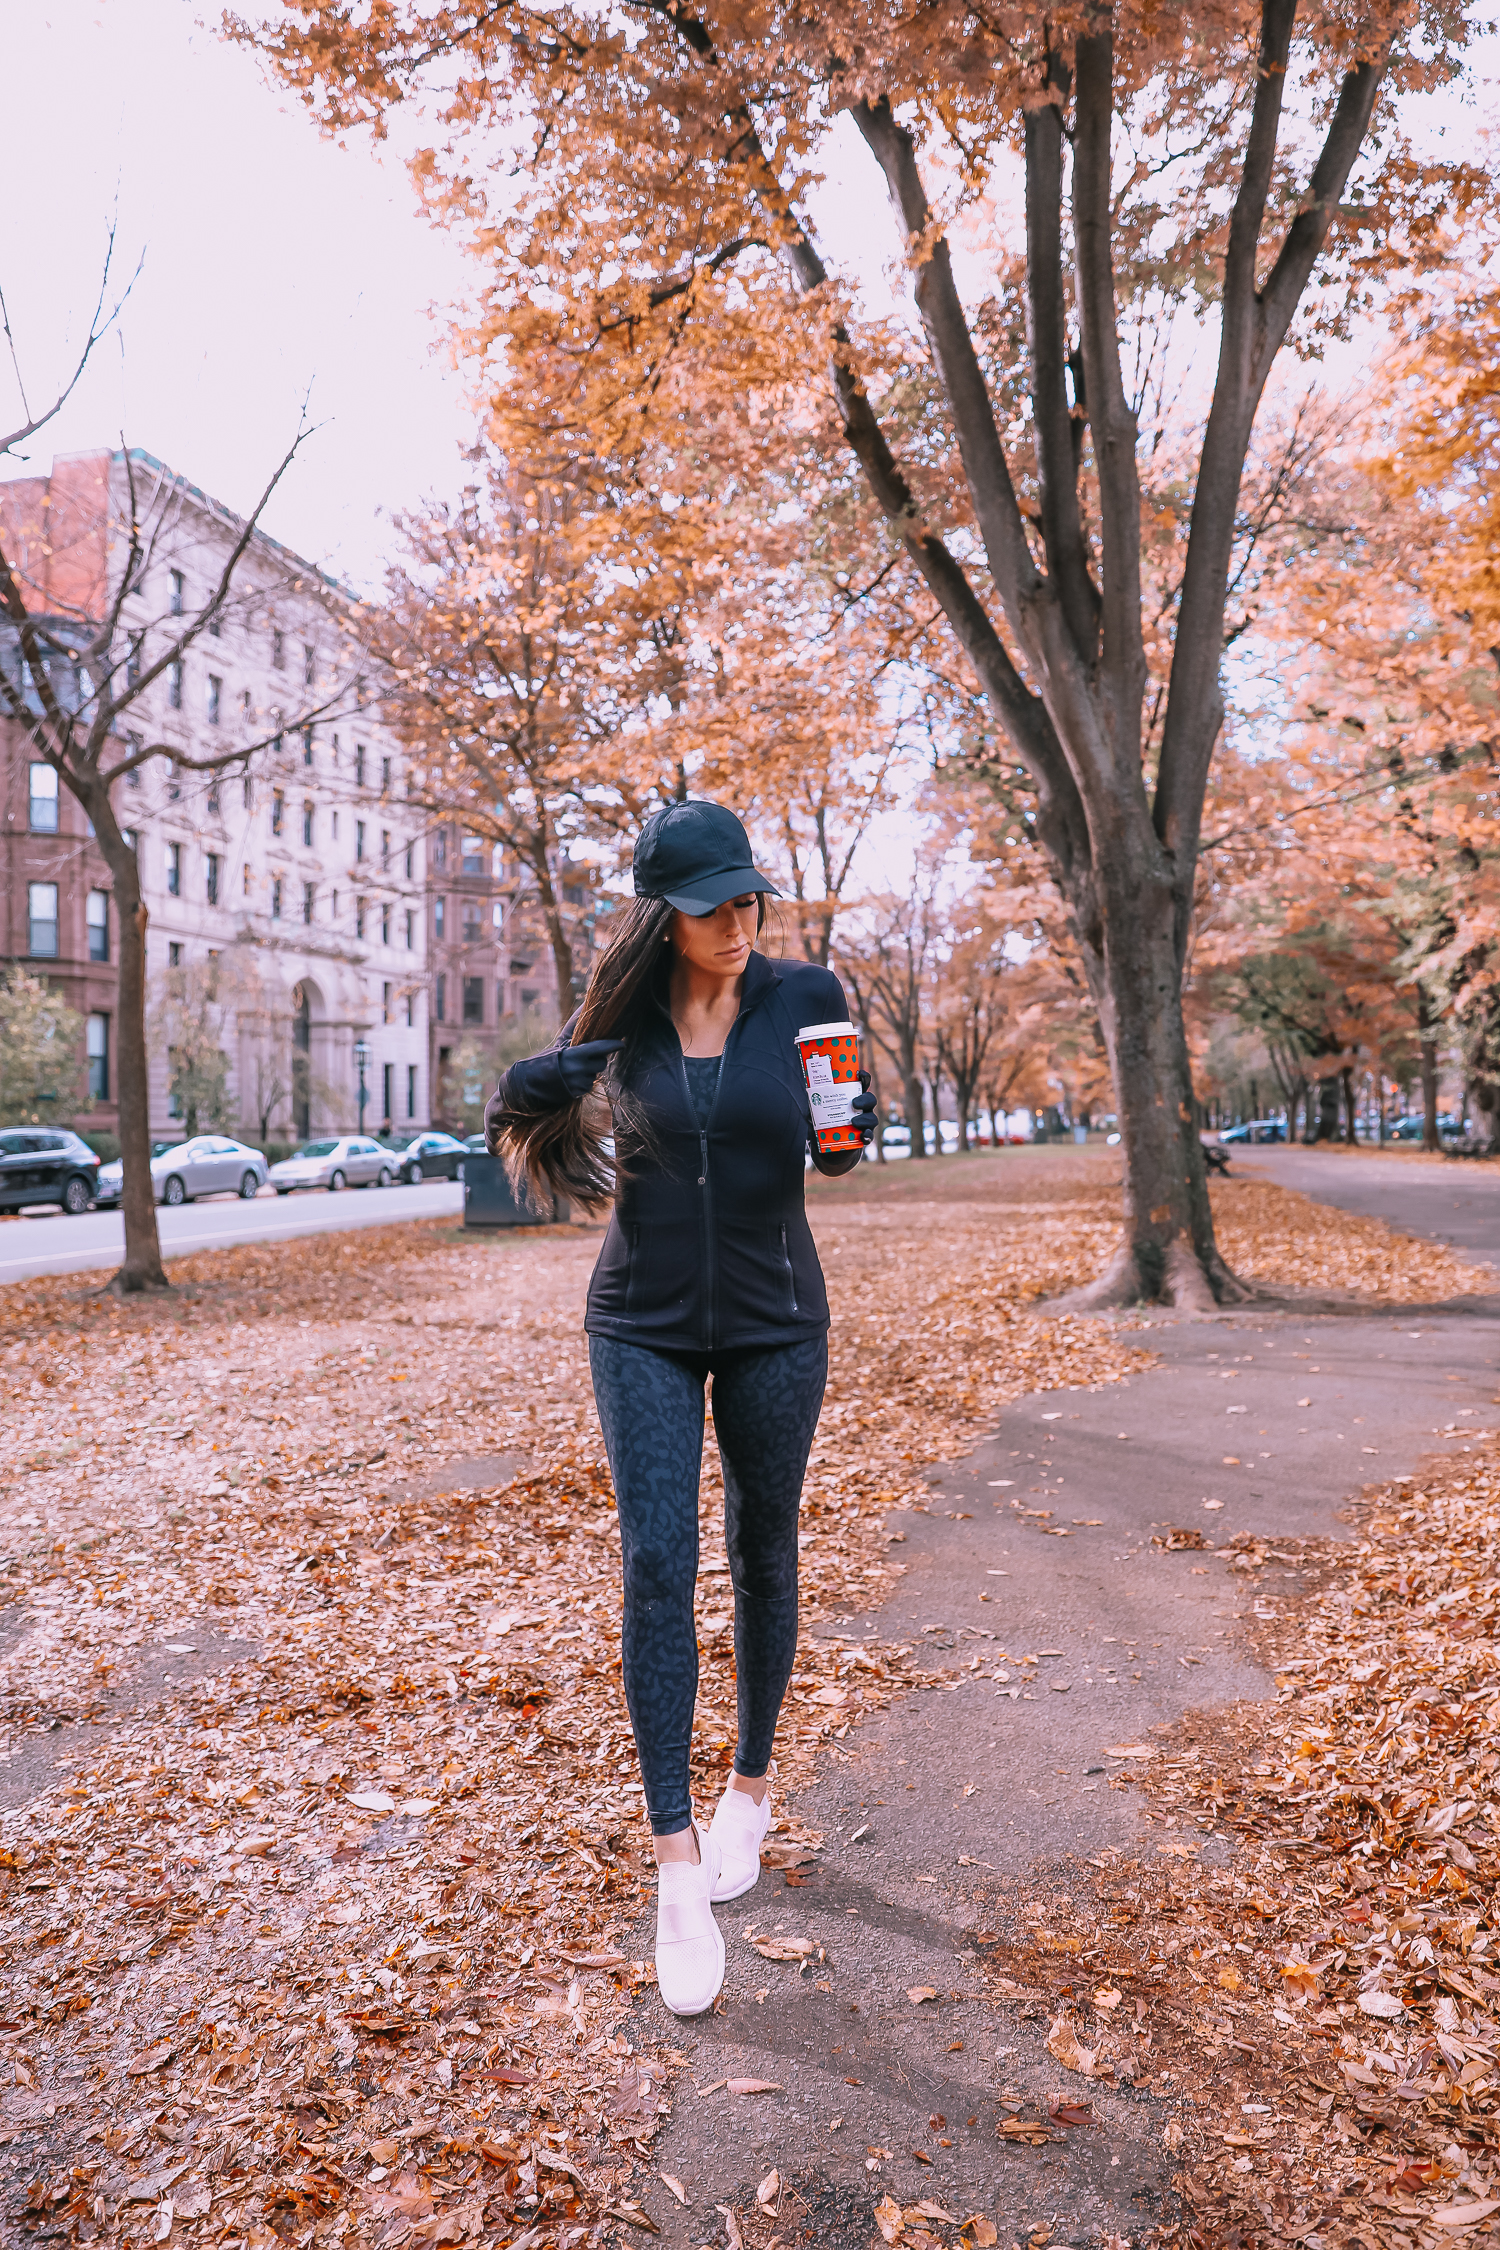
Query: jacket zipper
[
  {"x": 710, "y": 1262},
  {"x": 791, "y": 1278}
]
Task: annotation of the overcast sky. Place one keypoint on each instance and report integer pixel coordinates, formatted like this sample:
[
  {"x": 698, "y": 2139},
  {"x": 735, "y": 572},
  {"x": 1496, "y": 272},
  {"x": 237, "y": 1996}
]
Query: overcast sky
[{"x": 276, "y": 265}]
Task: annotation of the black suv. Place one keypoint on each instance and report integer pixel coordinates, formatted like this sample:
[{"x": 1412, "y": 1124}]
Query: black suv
[{"x": 38, "y": 1165}]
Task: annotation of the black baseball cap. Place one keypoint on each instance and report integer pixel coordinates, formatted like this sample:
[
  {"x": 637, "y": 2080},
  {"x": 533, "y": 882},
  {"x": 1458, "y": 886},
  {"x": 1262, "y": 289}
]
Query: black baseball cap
[{"x": 695, "y": 856}]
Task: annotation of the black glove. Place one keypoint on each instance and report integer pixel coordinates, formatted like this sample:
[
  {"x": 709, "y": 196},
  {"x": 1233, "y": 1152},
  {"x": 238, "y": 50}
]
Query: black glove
[
  {"x": 862, "y": 1108},
  {"x": 580, "y": 1066}
]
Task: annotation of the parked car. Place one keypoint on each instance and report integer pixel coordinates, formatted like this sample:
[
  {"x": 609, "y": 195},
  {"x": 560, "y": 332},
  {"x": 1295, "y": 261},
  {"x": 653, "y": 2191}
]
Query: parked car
[
  {"x": 428, "y": 1156},
  {"x": 477, "y": 1145},
  {"x": 40, "y": 1165},
  {"x": 111, "y": 1180},
  {"x": 345, "y": 1160},
  {"x": 181, "y": 1171},
  {"x": 1413, "y": 1128},
  {"x": 1258, "y": 1129}
]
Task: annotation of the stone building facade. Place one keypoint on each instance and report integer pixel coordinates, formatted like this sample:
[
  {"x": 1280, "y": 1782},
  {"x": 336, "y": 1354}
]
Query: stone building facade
[{"x": 287, "y": 894}]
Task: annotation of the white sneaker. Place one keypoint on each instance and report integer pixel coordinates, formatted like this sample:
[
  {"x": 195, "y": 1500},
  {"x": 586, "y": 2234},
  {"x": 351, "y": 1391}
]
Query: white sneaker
[
  {"x": 739, "y": 1830},
  {"x": 689, "y": 1943}
]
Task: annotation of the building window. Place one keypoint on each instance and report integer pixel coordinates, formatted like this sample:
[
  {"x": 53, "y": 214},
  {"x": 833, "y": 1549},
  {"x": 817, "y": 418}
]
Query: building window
[
  {"x": 174, "y": 955},
  {"x": 96, "y": 1046},
  {"x": 385, "y": 1003},
  {"x": 309, "y": 665},
  {"x": 41, "y": 905},
  {"x": 135, "y": 744},
  {"x": 388, "y": 1091},
  {"x": 44, "y": 800},
  {"x": 174, "y": 870},
  {"x": 174, "y": 684},
  {"x": 471, "y": 921},
  {"x": 442, "y": 999},
  {"x": 213, "y": 794},
  {"x": 411, "y": 1009},
  {"x": 247, "y": 705},
  {"x": 411, "y": 929},
  {"x": 499, "y": 998},
  {"x": 174, "y": 786},
  {"x": 439, "y": 917},
  {"x": 359, "y": 765},
  {"x": 276, "y": 898},
  {"x": 440, "y": 849},
  {"x": 385, "y": 925},
  {"x": 359, "y": 839},
  {"x": 211, "y": 877},
  {"x": 335, "y": 827},
  {"x": 473, "y": 999},
  {"x": 247, "y": 792},
  {"x": 411, "y": 1089},
  {"x": 245, "y": 879},
  {"x": 359, "y": 918},
  {"x": 497, "y": 917},
  {"x": 411, "y": 860},
  {"x": 307, "y": 823},
  {"x": 216, "y": 624},
  {"x": 97, "y": 913},
  {"x": 133, "y": 645},
  {"x": 278, "y": 649},
  {"x": 307, "y": 741},
  {"x": 471, "y": 854},
  {"x": 385, "y": 777},
  {"x": 307, "y": 902},
  {"x": 215, "y": 698},
  {"x": 385, "y": 847},
  {"x": 177, "y": 589},
  {"x": 278, "y": 812}
]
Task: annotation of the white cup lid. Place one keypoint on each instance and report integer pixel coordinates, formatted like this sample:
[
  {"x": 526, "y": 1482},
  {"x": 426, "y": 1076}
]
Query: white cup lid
[{"x": 826, "y": 1031}]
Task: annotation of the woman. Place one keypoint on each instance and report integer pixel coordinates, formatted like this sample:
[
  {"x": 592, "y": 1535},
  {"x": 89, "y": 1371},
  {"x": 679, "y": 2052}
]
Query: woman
[{"x": 708, "y": 1268}]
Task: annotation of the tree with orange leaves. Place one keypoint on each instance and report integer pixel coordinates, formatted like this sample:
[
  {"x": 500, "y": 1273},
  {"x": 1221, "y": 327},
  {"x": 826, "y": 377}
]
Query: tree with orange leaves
[{"x": 654, "y": 272}]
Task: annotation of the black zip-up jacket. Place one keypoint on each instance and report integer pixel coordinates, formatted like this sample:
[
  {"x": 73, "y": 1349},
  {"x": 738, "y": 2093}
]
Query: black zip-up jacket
[{"x": 709, "y": 1248}]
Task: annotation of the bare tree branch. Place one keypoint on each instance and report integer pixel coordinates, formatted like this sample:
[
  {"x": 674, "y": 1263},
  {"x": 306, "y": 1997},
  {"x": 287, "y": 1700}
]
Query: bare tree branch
[{"x": 99, "y": 327}]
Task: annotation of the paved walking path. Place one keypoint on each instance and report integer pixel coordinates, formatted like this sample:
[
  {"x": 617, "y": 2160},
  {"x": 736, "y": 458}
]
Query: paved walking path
[
  {"x": 957, "y": 1803},
  {"x": 1453, "y": 1199}
]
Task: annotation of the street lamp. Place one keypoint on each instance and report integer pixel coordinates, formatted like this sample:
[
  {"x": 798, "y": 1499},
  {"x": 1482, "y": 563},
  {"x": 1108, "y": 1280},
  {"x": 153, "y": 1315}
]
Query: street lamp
[{"x": 362, "y": 1058}]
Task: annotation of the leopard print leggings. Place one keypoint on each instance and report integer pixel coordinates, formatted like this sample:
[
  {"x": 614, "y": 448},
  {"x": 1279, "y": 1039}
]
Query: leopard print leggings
[{"x": 765, "y": 1408}]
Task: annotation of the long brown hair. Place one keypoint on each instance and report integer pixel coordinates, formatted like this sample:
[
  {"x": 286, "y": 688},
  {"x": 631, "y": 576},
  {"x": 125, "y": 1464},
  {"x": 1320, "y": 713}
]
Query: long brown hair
[{"x": 561, "y": 1151}]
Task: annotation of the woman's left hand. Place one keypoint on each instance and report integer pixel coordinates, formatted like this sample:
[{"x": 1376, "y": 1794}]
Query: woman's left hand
[{"x": 862, "y": 1109}]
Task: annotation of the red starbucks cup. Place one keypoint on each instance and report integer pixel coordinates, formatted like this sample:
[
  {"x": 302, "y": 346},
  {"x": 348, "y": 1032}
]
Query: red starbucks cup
[{"x": 830, "y": 1066}]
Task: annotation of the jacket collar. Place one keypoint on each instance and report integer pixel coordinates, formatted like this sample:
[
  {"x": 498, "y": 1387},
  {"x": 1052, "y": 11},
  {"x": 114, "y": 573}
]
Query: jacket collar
[{"x": 760, "y": 976}]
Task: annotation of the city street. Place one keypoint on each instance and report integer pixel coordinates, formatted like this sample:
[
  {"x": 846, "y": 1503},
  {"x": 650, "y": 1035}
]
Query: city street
[{"x": 50, "y": 1242}]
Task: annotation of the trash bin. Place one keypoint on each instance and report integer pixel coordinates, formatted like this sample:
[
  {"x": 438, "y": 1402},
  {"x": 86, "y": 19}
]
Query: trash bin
[{"x": 489, "y": 1202}]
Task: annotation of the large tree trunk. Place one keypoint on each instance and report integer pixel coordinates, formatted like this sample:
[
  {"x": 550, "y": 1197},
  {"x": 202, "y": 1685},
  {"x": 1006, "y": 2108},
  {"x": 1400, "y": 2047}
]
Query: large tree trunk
[
  {"x": 1168, "y": 1254},
  {"x": 143, "y": 1267},
  {"x": 916, "y": 1111},
  {"x": 1429, "y": 1091}
]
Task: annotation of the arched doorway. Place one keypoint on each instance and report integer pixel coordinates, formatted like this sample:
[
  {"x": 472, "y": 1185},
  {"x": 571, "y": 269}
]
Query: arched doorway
[{"x": 301, "y": 1062}]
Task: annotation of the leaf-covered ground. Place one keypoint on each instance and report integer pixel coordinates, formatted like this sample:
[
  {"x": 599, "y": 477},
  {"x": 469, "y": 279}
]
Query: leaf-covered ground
[{"x": 323, "y": 1830}]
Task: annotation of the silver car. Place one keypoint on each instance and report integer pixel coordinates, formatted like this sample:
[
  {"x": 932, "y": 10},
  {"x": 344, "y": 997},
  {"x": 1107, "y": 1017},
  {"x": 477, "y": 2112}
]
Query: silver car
[
  {"x": 349, "y": 1161},
  {"x": 181, "y": 1171}
]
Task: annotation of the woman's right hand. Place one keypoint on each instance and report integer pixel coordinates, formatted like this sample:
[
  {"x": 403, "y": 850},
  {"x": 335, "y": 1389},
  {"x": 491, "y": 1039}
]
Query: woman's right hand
[{"x": 580, "y": 1066}]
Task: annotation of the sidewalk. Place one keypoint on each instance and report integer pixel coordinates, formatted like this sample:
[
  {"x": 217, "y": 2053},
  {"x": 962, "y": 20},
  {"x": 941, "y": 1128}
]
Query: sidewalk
[{"x": 969, "y": 1809}]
